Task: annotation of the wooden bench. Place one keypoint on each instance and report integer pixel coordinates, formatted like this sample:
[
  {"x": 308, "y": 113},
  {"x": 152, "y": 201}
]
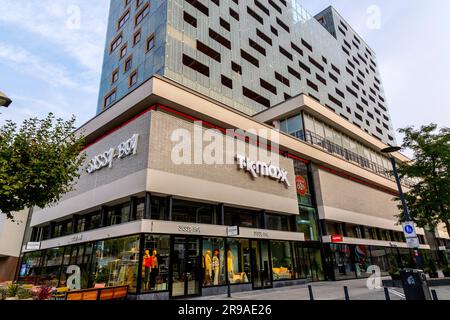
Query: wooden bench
[{"x": 111, "y": 293}]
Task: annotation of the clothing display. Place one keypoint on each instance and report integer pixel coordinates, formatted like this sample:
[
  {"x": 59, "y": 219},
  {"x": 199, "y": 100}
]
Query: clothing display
[
  {"x": 147, "y": 264},
  {"x": 154, "y": 270},
  {"x": 207, "y": 268},
  {"x": 216, "y": 269}
]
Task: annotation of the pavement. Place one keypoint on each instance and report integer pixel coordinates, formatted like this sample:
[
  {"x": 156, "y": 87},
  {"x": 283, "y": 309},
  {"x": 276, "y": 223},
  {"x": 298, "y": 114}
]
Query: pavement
[{"x": 357, "y": 290}]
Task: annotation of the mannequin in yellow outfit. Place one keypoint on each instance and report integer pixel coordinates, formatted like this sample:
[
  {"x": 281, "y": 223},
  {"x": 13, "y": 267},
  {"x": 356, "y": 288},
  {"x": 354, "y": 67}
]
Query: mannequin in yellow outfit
[{"x": 208, "y": 268}]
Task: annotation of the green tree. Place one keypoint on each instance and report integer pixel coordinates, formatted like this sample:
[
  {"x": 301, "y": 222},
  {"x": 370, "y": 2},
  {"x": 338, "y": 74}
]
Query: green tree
[
  {"x": 39, "y": 162},
  {"x": 429, "y": 196}
]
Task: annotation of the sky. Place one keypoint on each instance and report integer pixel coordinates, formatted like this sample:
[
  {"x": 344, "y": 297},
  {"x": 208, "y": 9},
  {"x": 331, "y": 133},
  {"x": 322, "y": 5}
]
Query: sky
[{"x": 51, "y": 55}]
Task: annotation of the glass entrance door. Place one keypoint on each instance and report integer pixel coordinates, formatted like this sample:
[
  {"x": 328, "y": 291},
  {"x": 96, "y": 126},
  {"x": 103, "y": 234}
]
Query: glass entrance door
[
  {"x": 185, "y": 267},
  {"x": 262, "y": 275}
]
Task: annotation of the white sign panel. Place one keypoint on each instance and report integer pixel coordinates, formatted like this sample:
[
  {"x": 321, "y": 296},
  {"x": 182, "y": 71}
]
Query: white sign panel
[
  {"x": 413, "y": 242},
  {"x": 106, "y": 158},
  {"x": 259, "y": 168},
  {"x": 409, "y": 229},
  {"x": 233, "y": 231},
  {"x": 33, "y": 246}
]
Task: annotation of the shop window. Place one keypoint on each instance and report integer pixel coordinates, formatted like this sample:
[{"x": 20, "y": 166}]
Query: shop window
[
  {"x": 118, "y": 214},
  {"x": 115, "y": 262},
  {"x": 282, "y": 262},
  {"x": 242, "y": 218},
  {"x": 155, "y": 263},
  {"x": 51, "y": 267},
  {"x": 213, "y": 262},
  {"x": 29, "y": 268},
  {"x": 186, "y": 211},
  {"x": 238, "y": 261}
]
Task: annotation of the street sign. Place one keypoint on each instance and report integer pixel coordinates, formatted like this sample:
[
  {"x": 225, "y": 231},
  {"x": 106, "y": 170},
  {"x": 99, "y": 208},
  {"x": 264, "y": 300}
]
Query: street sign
[
  {"x": 409, "y": 230},
  {"x": 33, "y": 246},
  {"x": 337, "y": 238},
  {"x": 233, "y": 231},
  {"x": 413, "y": 242}
]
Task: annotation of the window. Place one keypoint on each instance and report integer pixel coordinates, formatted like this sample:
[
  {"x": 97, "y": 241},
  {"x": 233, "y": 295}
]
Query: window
[
  {"x": 286, "y": 53},
  {"x": 236, "y": 68},
  {"x": 213, "y": 54},
  {"x": 194, "y": 212},
  {"x": 116, "y": 43},
  {"x": 142, "y": 14},
  {"x": 307, "y": 45},
  {"x": 256, "y": 16},
  {"x": 263, "y": 36},
  {"x": 118, "y": 214},
  {"x": 190, "y": 19},
  {"x": 199, "y": 6},
  {"x": 249, "y": 58},
  {"x": 115, "y": 76},
  {"x": 110, "y": 99},
  {"x": 234, "y": 14},
  {"x": 282, "y": 79},
  {"x": 282, "y": 24},
  {"x": 227, "y": 82},
  {"x": 150, "y": 42},
  {"x": 257, "y": 47},
  {"x": 277, "y": 222},
  {"x": 224, "y": 24},
  {"x": 213, "y": 262},
  {"x": 133, "y": 78},
  {"x": 195, "y": 65},
  {"x": 123, "y": 19},
  {"x": 282, "y": 263},
  {"x": 128, "y": 64},
  {"x": 256, "y": 97},
  {"x": 269, "y": 87},
  {"x": 123, "y": 51},
  {"x": 115, "y": 262},
  {"x": 242, "y": 217},
  {"x": 217, "y": 37},
  {"x": 238, "y": 261},
  {"x": 137, "y": 37},
  {"x": 155, "y": 273}
]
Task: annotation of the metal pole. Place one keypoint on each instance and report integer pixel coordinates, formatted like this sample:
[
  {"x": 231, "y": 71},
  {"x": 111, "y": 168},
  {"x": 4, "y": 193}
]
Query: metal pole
[
  {"x": 311, "y": 295},
  {"x": 347, "y": 297},
  {"x": 407, "y": 217},
  {"x": 229, "y": 289},
  {"x": 386, "y": 294},
  {"x": 434, "y": 294}
]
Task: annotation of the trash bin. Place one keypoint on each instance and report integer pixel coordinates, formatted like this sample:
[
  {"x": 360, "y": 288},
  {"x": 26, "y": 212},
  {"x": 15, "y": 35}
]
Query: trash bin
[{"x": 415, "y": 284}]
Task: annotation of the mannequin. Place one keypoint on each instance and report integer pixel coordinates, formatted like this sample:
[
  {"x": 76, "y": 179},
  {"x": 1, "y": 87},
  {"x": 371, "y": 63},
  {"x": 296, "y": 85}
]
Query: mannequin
[
  {"x": 155, "y": 269},
  {"x": 230, "y": 265},
  {"x": 147, "y": 266},
  {"x": 216, "y": 267},
  {"x": 208, "y": 268}
]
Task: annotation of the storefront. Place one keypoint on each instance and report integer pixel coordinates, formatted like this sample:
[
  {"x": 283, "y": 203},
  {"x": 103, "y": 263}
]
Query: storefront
[{"x": 156, "y": 266}]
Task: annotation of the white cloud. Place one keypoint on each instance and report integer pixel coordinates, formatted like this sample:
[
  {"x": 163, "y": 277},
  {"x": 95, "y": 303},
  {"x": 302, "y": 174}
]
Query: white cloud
[{"x": 52, "y": 20}]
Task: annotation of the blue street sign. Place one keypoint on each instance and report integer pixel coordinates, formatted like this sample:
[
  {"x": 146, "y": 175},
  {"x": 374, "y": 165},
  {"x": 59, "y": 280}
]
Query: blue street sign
[{"x": 409, "y": 229}]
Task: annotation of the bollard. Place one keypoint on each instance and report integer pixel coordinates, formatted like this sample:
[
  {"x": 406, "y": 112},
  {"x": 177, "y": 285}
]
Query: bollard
[
  {"x": 386, "y": 294},
  {"x": 347, "y": 297},
  {"x": 311, "y": 296},
  {"x": 434, "y": 294}
]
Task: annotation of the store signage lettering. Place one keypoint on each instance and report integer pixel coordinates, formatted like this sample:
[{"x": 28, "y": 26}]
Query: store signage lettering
[
  {"x": 76, "y": 239},
  {"x": 337, "y": 239},
  {"x": 106, "y": 158},
  {"x": 233, "y": 231},
  {"x": 260, "y": 234},
  {"x": 259, "y": 168},
  {"x": 188, "y": 229},
  {"x": 33, "y": 246}
]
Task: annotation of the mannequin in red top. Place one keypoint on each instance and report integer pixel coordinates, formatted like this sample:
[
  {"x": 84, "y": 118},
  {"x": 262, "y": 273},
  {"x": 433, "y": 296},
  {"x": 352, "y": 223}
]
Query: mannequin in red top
[{"x": 147, "y": 263}]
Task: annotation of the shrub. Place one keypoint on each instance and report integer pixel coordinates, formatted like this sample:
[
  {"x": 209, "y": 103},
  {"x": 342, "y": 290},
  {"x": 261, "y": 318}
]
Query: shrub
[
  {"x": 23, "y": 293},
  {"x": 11, "y": 290}
]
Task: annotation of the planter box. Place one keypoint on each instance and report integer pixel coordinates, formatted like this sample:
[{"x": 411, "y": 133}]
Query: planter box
[{"x": 12, "y": 298}]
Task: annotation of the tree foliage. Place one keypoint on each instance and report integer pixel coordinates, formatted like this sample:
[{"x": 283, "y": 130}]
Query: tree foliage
[
  {"x": 429, "y": 197},
  {"x": 39, "y": 162}
]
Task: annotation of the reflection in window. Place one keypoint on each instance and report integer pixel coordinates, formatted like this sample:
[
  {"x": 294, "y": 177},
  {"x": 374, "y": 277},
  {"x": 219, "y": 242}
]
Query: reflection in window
[
  {"x": 115, "y": 262},
  {"x": 155, "y": 263},
  {"x": 186, "y": 211},
  {"x": 30, "y": 267},
  {"x": 213, "y": 262},
  {"x": 51, "y": 267},
  {"x": 242, "y": 217},
  {"x": 238, "y": 261},
  {"x": 278, "y": 222},
  {"x": 306, "y": 223},
  {"x": 118, "y": 214},
  {"x": 282, "y": 263}
]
